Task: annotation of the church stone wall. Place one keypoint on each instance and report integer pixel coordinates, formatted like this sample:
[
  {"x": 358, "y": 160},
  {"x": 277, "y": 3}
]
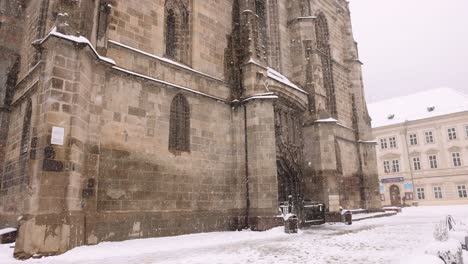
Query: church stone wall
[
  {"x": 143, "y": 29},
  {"x": 116, "y": 176}
]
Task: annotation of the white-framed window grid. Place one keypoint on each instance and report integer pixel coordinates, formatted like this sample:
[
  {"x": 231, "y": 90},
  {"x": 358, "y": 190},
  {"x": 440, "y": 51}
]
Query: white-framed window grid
[
  {"x": 386, "y": 165},
  {"x": 456, "y": 159},
  {"x": 438, "y": 192},
  {"x": 417, "y": 163},
  {"x": 395, "y": 166},
  {"x": 462, "y": 191},
  {"x": 452, "y": 133},
  {"x": 413, "y": 139},
  {"x": 392, "y": 142},
  {"x": 383, "y": 143},
  {"x": 429, "y": 135},
  {"x": 420, "y": 193},
  {"x": 433, "y": 161}
]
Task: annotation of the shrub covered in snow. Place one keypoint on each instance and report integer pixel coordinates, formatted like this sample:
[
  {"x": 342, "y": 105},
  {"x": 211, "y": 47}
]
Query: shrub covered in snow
[
  {"x": 449, "y": 251},
  {"x": 441, "y": 232}
]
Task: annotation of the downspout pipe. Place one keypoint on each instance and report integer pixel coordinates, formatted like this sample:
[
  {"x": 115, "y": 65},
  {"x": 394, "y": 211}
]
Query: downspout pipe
[
  {"x": 247, "y": 187},
  {"x": 405, "y": 131}
]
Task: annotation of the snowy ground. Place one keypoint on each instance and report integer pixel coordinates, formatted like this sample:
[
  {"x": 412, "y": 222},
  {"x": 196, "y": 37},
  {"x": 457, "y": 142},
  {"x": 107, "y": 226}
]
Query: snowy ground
[{"x": 384, "y": 240}]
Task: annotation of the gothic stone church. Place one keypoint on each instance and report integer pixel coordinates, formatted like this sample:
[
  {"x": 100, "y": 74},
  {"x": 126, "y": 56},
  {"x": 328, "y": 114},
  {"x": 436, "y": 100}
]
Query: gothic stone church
[{"x": 127, "y": 119}]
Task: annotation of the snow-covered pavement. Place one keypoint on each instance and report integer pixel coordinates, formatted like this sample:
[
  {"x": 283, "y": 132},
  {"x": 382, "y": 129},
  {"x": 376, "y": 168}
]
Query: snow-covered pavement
[{"x": 383, "y": 240}]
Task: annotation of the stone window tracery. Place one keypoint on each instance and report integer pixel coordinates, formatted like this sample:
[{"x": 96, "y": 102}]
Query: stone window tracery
[
  {"x": 25, "y": 135},
  {"x": 179, "y": 125},
  {"x": 323, "y": 47},
  {"x": 177, "y": 30},
  {"x": 261, "y": 12}
]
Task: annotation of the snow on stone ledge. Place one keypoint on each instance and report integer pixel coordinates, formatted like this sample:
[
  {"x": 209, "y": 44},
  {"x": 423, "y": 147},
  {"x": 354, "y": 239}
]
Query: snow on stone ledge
[
  {"x": 328, "y": 120},
  {"x": 175, "y": 63},
  {"x": 7, "y": 230},
  {"x": 168, "y": 83},
  {"x": 275, "y": 75},
  {"x": 261, "y": 96},
  {"x": 80, "y": 39}
]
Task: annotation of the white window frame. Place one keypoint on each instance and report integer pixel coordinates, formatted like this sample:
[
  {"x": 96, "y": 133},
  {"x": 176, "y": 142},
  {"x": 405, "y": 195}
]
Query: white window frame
[
  {"x": 420, "y": 193},
  {"x": 433, "y": 162},
  {"x": 452, "y": 133},
  {"x": 417, "y": 163},
  {"x": 456, "y": 159},
  {"x": 392, "y": 142},
  {"x": 383, "y": 143},
  {"x": 462, "y": 193},
  {"x": 438, "y": 192},
  {"x": 429, "y": 137},
  {"x": 413, "y": 139},
  {"x": 395, "y": 166},
  {"x": 387, "y": 168}
]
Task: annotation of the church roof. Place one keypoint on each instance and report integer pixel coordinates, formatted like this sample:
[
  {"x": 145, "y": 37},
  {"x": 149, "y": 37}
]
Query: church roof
[{"x": 427, "y": 104}]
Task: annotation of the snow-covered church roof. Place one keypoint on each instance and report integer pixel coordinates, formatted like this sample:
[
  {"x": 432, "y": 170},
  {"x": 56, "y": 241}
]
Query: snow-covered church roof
[{"x": 431, "y": 103}]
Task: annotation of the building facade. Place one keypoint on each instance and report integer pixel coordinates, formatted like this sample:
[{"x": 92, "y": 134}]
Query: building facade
[
  {"x": 142, "y": 118},
  {"x": 422, "y": 148}
]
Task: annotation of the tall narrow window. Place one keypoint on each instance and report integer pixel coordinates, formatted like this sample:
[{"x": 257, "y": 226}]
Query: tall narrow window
[
  {"x": 452, "y": 133},
  {"x": 260, "y": 10},
  {"x": 462, "y": 191},
  {"x": 383, "y": 143},
  {"x": 420, "y": 193},
  {"x": 103, "y": 24},
  {"x": 438, "y": 192},
  {"x": 386, "y": 165},
  {"x": 393, "y": 143},
  {"x": 171, "y": 45},
  {"x": 179, "y": 134},
  {"x": 26, "y": 133},
  {"x": 323, "y": 46},
  {"x": 177, "y": 31},
  {"x": 413, "y": 139},
  {"x": 395, "y": 166},
  {"x": 456, "y": 158},
  {"x": 429, "y": 137},
  {"x": 433, "y": 161},
  {"x": 417, "y": 163}
]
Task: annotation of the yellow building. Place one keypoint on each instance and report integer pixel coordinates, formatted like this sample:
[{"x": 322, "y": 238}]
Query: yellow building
[{"x": 422, "y": 147}]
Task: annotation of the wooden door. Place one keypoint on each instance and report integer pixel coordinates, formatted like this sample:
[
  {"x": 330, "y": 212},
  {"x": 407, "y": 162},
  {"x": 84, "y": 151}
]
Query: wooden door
[{"x": 395, "y": 197}]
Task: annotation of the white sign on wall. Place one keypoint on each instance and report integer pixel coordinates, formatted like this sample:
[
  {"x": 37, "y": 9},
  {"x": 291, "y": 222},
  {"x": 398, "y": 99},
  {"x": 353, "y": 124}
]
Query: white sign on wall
[{"x": 58, "y": 134}]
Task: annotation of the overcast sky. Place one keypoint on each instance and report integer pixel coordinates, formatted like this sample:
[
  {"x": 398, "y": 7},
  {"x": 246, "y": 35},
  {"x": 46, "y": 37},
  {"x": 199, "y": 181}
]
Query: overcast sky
[{"x": 411, "y": 45}]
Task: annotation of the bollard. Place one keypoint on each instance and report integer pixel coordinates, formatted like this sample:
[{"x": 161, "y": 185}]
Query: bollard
[{"x": 291, "y": 224}]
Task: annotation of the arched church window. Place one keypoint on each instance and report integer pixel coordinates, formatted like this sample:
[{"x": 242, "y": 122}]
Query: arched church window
[
  {"x": 26, "y": 133},
  {"x": 177, "y": 33},
  {"x": 323, "y": 46},
  {"x": 179, "y": 124}
]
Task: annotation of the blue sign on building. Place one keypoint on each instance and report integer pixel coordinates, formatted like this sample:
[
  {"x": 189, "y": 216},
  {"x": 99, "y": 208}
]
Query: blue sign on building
[{"x": 393, "y": 180}]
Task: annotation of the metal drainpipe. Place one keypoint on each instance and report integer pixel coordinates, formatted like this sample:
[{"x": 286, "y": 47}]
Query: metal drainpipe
[
  {"x": 409, "y": 158},
  {"x": 247, "y": 207}
]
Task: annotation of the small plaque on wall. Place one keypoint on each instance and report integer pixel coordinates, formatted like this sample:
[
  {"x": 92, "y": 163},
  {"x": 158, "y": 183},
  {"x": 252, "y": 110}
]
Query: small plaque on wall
[{"x": 58, "y": 134}]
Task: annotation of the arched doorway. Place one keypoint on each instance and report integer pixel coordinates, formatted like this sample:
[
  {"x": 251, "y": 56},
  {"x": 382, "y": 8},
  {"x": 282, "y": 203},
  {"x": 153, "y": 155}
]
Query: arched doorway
[{"x": 395, "y": 197}]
